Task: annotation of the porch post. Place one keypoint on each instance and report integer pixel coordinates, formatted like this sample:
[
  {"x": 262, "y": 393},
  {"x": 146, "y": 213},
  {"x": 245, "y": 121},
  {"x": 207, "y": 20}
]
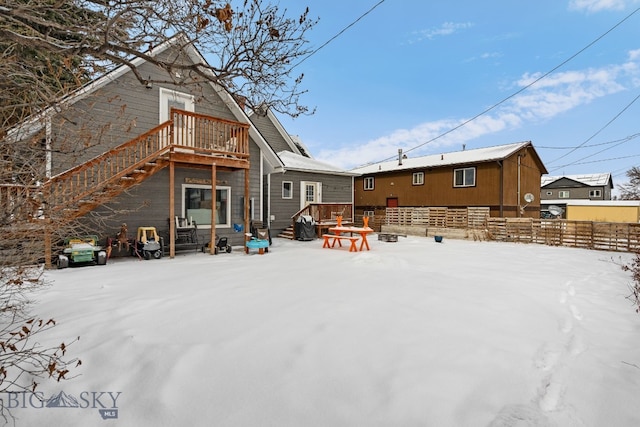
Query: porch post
[
  {"x": 247, "y": 220},
  {"x": 172, "y": 211},
  {"x": 47, "y": 244},
  {"x": 212, "y": 244}
]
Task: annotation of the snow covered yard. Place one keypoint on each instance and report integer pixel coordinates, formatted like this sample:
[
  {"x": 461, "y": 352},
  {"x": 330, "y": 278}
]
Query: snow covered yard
[{"x": 412, "y": 333}]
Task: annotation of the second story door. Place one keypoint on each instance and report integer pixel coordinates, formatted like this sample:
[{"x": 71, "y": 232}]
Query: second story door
[{"x": 182, "y": 101}]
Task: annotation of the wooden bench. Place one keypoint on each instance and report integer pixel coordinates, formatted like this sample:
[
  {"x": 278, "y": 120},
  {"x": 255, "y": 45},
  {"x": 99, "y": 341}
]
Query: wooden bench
[{"x": 336, "y": 238}]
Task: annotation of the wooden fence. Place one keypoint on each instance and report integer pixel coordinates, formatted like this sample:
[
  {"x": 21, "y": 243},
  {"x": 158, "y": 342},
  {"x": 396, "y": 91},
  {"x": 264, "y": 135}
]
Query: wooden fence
[
  {"x": 438, "y": 217},
  {"x": 608, "y": 236}
]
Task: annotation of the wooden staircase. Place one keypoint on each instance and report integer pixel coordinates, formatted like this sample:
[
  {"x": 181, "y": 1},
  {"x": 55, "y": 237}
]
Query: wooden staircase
[
  {"x": 287, "y": 233},
  {"x": 79, "y": 190}
]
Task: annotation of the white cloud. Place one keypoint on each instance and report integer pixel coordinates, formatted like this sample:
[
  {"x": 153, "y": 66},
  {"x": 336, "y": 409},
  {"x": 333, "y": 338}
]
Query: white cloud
[
  {"x": 634, "y": 55},
  {"x": 547, "y": 98},
  {"x": 445, "y": 29},
  {"x": 597, "y": 5}
]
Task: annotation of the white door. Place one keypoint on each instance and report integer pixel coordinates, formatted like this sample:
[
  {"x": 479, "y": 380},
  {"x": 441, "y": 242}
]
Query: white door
[
  {"x": 310, "y": 192},
  {"x": 182, "y": 101}
]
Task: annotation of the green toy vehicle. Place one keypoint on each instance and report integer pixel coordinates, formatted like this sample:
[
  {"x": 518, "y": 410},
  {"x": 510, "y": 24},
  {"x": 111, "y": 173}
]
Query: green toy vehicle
[{"x": 82, "y": 250}]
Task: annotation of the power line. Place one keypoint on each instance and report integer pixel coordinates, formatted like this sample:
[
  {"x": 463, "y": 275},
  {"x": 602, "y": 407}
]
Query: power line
[
  {"x": 338, "y": 35},
  {"x": 546, "y": 147},
  {"x": 464, "y": 123},
  {"x": 600, "y": 130}
]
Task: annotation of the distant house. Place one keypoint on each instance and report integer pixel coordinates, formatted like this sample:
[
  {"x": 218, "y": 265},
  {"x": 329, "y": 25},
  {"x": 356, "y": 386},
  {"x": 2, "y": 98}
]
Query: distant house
[
  {"x": 501, "y": 178},
  {"x": 585, "y": 187}
]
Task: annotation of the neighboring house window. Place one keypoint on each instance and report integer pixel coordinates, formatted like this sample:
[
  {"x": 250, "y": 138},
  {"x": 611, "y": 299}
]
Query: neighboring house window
[
  {"x": 549, "y": 193},
  {"x": 197, "y": 204},
  {"x": 418, "y": 178},
  {"x": 368, "y": 183},
  {"x": 563, "y": 194},
  {"x": 287, "y": 190},
  {"x": 595, "y": 193},
  {"x": 464, "y": 177},
  {"x": 369, "y": 213}
]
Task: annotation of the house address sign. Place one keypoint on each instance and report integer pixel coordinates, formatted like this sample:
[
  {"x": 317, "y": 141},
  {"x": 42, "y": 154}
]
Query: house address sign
[{"x": 202, "y": 181}]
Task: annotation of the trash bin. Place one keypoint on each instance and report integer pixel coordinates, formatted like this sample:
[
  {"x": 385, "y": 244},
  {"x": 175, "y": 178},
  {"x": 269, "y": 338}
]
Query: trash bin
[{"x": 305, "y": 228}]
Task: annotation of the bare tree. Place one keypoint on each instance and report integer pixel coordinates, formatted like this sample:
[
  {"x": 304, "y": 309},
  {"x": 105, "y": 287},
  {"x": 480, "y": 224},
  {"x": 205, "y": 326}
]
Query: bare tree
[
  {"x": 631, "y": 190},
  {"x": 48, "y": 50},
  {"x": 250, "y": 51}
]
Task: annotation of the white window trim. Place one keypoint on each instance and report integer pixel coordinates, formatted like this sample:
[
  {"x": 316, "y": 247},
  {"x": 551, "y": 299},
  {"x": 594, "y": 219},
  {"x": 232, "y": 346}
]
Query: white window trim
[
  {"x": 290, "y": 189},
  {"x": 417, "y": 178},
  {"x": 208, "y": 187},
  {"x": 595, "y": 193},
  {"x": 464, "y": 173},
  {"x": 563, "y": 194},
  {"x": 371, "y": 180}
]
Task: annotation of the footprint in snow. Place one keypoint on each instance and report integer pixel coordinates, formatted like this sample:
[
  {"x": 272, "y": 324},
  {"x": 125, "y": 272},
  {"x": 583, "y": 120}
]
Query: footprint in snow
[
  {"x": 575, "y": 312},
  {"x": 520, "y": 416}
]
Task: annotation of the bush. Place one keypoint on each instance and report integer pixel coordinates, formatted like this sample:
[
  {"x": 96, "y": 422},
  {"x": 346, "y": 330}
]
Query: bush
[{"x": 634, "y": 268}]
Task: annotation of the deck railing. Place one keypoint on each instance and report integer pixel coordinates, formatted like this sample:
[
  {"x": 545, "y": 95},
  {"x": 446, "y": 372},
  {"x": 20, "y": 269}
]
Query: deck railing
[
  {"x": 326, "y": 212},
  {"x": 197, "y": 133}
]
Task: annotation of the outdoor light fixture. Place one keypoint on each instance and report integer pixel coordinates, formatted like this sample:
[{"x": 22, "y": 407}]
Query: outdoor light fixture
[{"x": 148, "y": 84}]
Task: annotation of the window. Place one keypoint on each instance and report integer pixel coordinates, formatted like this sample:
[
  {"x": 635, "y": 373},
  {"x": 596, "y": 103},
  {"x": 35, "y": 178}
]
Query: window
[
  {"x": 549, "y": 193},
  {"x": 197, "y": 204},
  {"x": 464, "y": 177},
  {"x": 287, "y": 190},
  {"x": 418, "y": 178},
  {"x": 563, "y": 194},
  {"x": 369, "y": 214},
  {"x": 595, "y": 193},
  {"x": 368, "y": 183}
]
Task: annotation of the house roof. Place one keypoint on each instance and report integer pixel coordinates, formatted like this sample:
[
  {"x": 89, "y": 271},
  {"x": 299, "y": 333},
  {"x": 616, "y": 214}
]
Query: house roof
[
  {"x": 37, "y": 122},
  {"x": 591, "y": 180},
  {"x": 478, "y": 155},
  {"x": 296, "y": 162}
]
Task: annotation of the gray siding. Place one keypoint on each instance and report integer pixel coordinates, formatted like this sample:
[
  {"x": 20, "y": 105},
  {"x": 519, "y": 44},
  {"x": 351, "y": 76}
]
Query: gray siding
[
  {"x": 335, "y": 189},
  {"x": 116, "y": 113},
  {"x": 147, "y": 204},
  {"x": 270, "y": 133}
]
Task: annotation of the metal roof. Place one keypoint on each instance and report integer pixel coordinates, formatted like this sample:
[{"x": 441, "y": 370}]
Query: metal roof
[{"x": 478, "y": 155}]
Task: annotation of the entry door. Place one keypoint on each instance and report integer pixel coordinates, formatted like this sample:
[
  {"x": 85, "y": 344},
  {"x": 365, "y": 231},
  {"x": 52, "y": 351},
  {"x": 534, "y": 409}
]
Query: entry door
[
  {"x": 310, "y": 192},
  {"x": 182, "y": 101},
  {"x": 392, "y": 202}
]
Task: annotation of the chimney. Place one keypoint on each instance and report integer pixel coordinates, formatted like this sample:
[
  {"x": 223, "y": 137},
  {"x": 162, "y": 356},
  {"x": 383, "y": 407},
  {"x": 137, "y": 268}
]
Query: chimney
[{"x": 399, "y": 156}]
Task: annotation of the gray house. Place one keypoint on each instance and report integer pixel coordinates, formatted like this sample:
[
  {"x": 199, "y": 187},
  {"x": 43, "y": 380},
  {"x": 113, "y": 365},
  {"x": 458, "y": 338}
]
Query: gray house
[
  {"x": 169, "y": 156},
  {"x": 584, "y": 187},
  {"x": 297, "y": 180}
]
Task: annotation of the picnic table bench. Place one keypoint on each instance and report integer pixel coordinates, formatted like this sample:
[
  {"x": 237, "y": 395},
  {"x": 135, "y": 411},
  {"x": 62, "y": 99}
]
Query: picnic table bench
[{"x": 337, "y": 239}]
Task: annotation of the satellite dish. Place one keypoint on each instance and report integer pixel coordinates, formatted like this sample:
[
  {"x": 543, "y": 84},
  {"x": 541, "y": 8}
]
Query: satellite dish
[
  {"x": 555, "y": 210},
  {"x": 528, "y": 197}
]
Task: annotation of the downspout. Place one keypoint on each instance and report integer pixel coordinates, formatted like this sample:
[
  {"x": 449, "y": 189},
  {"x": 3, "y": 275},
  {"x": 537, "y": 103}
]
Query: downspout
[
  {"x": 500, "y": 163},
  {"x": 269, "y": 200},
  {"x": 518, "y": 205}
]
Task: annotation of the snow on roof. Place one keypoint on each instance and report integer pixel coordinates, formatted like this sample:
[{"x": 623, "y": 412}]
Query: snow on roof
[
  {"x": 487, "y": 154},
  {"x": 594, "y": 179},
  {"x": 293, "y": 161}
]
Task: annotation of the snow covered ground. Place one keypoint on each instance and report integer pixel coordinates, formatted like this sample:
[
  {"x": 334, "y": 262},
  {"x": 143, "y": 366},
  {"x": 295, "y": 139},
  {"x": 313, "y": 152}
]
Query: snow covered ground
[{"x": 413, "y": 333}]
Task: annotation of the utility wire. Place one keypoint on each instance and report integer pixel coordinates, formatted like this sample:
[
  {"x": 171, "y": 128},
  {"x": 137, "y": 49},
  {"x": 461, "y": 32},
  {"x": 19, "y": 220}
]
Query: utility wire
[
  {"x": 519, "y": 91},
  {"x": 339, "y": 34},
  {"x": 596, "y": 134}
]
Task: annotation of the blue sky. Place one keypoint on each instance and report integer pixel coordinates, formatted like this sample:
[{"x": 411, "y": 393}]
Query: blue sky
[{"x": 409, "y": 73}]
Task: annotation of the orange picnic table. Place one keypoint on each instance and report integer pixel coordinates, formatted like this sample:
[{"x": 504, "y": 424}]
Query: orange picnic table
[{"x": 362, "y": 231}]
